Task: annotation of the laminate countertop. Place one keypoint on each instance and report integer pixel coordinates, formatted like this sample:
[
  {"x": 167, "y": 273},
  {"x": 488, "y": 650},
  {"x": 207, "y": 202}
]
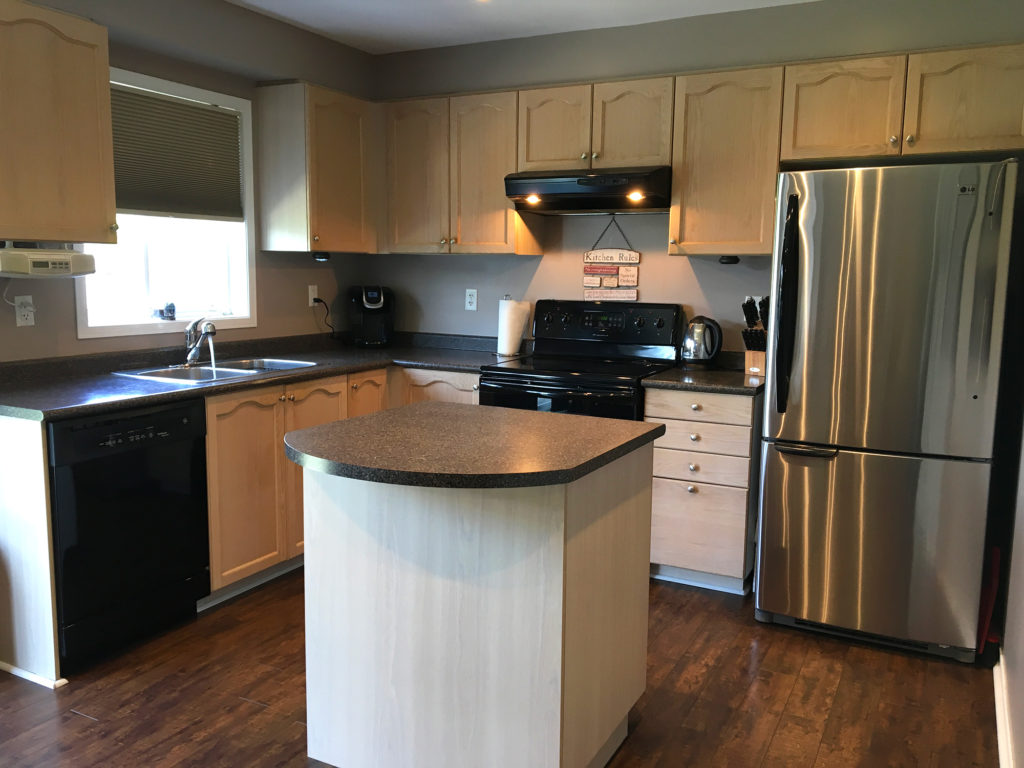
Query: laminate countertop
[
  {"x": 84, "y": 386},
  {"x": 454, "y": 445},
  {"x": 700, "y": 379}
]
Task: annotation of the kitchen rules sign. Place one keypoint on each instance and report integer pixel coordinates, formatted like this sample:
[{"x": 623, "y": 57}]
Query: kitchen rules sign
[{"x": 610, "y": 274}]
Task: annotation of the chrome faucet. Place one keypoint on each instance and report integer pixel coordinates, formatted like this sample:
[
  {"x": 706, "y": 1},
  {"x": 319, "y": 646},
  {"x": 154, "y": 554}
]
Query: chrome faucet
[{"x": 196, "y": 333}]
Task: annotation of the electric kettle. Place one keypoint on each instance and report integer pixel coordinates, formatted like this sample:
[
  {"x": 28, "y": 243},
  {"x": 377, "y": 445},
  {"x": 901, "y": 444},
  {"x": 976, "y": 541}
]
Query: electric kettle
[{"x": 702, "y": 340}]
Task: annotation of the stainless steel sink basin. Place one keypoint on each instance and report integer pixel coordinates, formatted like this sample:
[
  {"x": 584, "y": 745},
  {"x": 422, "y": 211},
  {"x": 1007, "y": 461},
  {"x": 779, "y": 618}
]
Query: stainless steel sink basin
[
  {"x": 202, "y": 374},
  {"x": 265, "y": 364}
]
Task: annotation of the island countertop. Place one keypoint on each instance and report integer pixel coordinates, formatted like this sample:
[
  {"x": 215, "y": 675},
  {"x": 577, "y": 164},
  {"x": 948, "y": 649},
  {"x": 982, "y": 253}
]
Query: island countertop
[{"x": 454, "y": 445}]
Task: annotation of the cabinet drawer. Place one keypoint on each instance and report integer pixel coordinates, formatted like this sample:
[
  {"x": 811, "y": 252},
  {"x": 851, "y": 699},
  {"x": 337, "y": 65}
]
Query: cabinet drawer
[
  {"x": 699, "y": 406},
  {"x": 703, "y": 437},
  {"x": 703, "y": 530},
  {"x": 702, "y": 467}
]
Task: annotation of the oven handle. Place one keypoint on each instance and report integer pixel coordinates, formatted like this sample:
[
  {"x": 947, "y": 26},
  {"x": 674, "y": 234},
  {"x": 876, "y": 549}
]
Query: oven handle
[{"x": 552, "y": 390}]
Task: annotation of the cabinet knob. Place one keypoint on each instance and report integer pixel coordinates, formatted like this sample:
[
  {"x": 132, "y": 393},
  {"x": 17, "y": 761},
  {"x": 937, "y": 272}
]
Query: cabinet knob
[
  {"x": 292, "y": 398},
  {"x": 694, "y": 406},
  {"x": 694, "y": 436},
  {"x": 476, "y": 387},
  {"x": 355, "y": 386},
  {"x": 595, "y": 155},
  {"x": 672, "y": 241},
  {"x": 114, "y": 227},
  {"x": 691, "y": 489},
  {"x": 694, "y": 467},
  {"x": 583, "y": 156},
  {"x": 281, "y": 398},
  {"x": 444, "y": 240},
  {"x": 316, "y": 238},
  {"x": 894, "y": 140},
  {"x": 453, "y": 241},
  {"x": 911, "y": 138}
]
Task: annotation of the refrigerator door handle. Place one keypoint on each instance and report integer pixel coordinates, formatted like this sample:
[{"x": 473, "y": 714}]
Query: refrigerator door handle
[
  {"x": 804, "y": 450},
  {"x": 789, "y": 280}
]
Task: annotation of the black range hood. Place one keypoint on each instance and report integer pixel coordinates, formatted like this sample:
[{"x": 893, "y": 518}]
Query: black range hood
[{"x": 606, "y": 190}]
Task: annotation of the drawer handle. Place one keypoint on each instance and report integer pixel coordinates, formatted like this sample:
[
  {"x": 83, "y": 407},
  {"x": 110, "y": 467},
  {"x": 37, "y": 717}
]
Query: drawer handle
[
  {"x": 691, "y": 489},
  {"x": 694, "y": 436},
  {"x": 281, "y": 398},
  {"x": 694, "y": 406},
  {"x": 694, "y": 467}
]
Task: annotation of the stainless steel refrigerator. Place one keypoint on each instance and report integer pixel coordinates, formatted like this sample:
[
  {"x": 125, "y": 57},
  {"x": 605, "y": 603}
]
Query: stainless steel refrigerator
[{"x": 889, "y": 286}]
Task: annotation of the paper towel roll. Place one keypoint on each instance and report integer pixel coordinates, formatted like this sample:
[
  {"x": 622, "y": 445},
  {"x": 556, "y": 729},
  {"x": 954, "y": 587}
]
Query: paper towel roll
[{"x": 512, "y": 318}]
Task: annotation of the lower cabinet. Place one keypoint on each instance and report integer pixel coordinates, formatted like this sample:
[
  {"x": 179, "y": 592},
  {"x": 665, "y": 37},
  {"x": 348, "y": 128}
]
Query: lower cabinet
[
  {"x": 705, "y": 487},
  {"x": 367, "y": 392},
  {"x": 414, "y": 385},
  {"x": 255, "y": 492}
]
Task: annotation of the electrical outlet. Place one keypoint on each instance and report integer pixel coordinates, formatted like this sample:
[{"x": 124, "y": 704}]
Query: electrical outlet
[
  {"x": 313, "y": 293},
  {"x": 471, "y": 299},
  {"x": 24, "y": 311}
]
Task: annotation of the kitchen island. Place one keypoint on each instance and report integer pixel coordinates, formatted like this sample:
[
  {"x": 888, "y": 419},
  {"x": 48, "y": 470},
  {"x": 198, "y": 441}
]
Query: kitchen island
[{"x": 476, "y": 585}]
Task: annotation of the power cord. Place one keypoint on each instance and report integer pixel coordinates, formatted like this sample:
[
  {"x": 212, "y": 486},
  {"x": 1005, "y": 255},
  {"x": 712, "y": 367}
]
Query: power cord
[
  {"x": 327, "y": 316},
  {"x": 6, "y": 289}
]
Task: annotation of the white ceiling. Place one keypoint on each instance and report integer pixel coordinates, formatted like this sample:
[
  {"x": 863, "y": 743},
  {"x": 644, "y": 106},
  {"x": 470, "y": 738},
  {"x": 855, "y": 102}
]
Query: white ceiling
[{"x": 389, "y": 26}]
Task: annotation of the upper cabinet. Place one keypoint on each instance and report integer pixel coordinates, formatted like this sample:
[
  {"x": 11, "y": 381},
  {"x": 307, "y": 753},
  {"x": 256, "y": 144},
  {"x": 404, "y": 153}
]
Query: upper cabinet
[
  {"x": 945, "y": 101},
  {"x": 607, "y": 125},
  {"x": 850, "y": 108},
  {"x": 319, "y": 153},
  {"x": 725, "y": 159},
  {"x": 970, "y": 100},
  {"x": 58, "y": 166},
  {"x": 447, "y": 161}
]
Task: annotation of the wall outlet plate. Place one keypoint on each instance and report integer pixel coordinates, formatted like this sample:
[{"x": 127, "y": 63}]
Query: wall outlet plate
[
  {"x": 24, "y": 311},
  {"x": 313, "y": 293},
  {"x": 471, "y": 299}
]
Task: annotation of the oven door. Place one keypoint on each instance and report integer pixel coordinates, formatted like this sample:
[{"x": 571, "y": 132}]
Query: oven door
[{"x": 609, "y": 401}]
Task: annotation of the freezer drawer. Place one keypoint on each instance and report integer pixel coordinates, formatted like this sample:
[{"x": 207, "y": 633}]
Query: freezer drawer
[{"x": 890, "y": 545}]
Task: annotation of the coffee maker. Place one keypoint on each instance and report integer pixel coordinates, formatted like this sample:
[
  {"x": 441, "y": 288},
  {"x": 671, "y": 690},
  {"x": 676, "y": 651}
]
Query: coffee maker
[{"x": 371, "y": 315}]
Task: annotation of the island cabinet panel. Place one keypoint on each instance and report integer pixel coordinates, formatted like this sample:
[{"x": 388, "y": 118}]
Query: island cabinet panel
[
  {"x": 705, "y": 487},
  {"x": 725, "y": 160},
  {"x": 415, "y": 385},
  {"x": 418, "y": 167},
  {"x": 319, "y": 156},
  {"x": 632, "y": 123},
  {"x": 850, "y": 108},
  {"x": 255, "y": 493},
  {"x": 554, "y": 128},
  {"x": 969, "y": 100},
  {"x": 367, "y": 392},
  {"x": 55, "y": 127}
]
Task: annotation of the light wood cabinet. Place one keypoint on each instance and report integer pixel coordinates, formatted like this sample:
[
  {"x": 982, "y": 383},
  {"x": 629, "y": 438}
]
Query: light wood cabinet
[
  {"x": 705, "y": 487},
  {"x": 607, "y": 125},
  {"x": 477, "y": 148},
  {"x": 255, "y": 492},
  {"x": 849, "y": 108},
  {"x": 418, "y": 204},
  {"x": 414, "y": 385},
  {"x": 367, "y": 392},
  {"x": 970, "y": 100},
  {"x": 319, "y": 156},
  {"x": 55, "y": 127},
  {"x": 725, "y": 162}
]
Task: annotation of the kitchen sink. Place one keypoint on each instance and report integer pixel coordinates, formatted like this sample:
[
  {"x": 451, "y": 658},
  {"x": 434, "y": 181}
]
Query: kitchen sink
[
  {"x": 265, "y": 364},
  {"x": 229, "y": 369}
]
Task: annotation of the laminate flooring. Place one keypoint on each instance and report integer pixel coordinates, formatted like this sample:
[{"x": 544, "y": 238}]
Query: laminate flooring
[{"x": 228, "y": 689}]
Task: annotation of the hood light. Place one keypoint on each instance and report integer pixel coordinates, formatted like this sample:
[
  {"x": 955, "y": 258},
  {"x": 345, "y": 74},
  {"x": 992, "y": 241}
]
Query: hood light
[
  {"x": 636, "y": 196},
  {"x": 532, "y": 199}
]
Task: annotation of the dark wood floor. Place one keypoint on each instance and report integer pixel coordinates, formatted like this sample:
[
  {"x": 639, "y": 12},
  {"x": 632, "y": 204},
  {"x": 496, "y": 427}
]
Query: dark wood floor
[{"x": 723, "y": 690}]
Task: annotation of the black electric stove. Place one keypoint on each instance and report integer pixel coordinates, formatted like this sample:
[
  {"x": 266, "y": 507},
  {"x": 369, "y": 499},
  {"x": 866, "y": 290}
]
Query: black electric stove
[{"x": 589, "y": 358}]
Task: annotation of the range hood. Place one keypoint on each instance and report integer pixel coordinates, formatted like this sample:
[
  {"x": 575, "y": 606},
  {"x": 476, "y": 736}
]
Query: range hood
[{"x": 605, "y": 190}]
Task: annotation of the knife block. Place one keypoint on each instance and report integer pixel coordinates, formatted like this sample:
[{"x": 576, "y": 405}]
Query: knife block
[{"x": 753, "y": 362}]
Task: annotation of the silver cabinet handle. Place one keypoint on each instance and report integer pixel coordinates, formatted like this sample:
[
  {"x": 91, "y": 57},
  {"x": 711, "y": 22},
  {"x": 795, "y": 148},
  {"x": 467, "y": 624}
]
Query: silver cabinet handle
[
  {"x": 693, "y": 467},
  {"x": 291, "y": 398},
  {"x": 911, "y": 138},
  {"x": 355, "y": 386},
  {"x": 694, "y": 406},
  {"x": 694, "y": 436},
  {"x": 894, "y": 140},
  {"x": 476, "y": 387},
  {"x": 672, "y": 241},
  {"x": 316, "y": 238},
  {"x": 444, "y": 240},
  {"x": 114, "y": 227},
  {"x": 595, "y": 155},
  {"x": 583, "y": 156},
  {"x": 281, "y": 398},
  {"x": 691, "y": 489}
]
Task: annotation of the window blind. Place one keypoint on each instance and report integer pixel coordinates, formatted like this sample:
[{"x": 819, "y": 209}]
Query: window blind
[{"x": 175, "y": 156}]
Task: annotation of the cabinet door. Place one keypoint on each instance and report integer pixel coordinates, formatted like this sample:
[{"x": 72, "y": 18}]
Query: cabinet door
[
  {"x": 342, "y": 132},
  {"x": 554, "y": 128},
  {"x": 444, "y": 386},
  {"x": 58, "y": 165},
  {"x": 307, "y": 405},
  {"x": 843, "y": 108},
  {"x": 418, "y": 207},
  {"x": 632, "y": 123},
  {"x": 725, "y": 160},
  {"x": 969, "y": 100},
  {"x": 244, "y": 464},
  {"x": 367, "y": 392},
  {"x": 483, "y": 151}
]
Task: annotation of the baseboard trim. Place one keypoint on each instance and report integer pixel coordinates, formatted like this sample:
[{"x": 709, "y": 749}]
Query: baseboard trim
[
  {"x": 242, "y": 586},
  {"x": 700, "y": 579},
  {"x": 32, "y": 677},
  {"x": 1004, "y": 735}
]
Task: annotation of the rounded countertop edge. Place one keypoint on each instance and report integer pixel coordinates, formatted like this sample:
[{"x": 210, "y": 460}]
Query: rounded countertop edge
[{"x": 539, "y": 478}]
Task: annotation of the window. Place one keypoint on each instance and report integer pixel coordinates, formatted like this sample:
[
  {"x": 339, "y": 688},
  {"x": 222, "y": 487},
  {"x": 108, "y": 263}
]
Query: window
[{"x": 185, "y": 242}]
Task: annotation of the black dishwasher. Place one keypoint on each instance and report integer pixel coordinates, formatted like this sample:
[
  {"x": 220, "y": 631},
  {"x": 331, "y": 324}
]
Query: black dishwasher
[{"x": 130, "y": 541}]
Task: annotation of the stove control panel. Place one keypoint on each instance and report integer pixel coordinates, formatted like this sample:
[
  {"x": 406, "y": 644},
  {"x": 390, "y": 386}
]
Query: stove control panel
[{"x": 621, "y": 323}]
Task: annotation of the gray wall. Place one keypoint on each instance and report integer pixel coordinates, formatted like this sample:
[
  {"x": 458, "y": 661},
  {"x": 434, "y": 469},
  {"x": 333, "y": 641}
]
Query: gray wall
[{"x": 818, "y": 30}]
